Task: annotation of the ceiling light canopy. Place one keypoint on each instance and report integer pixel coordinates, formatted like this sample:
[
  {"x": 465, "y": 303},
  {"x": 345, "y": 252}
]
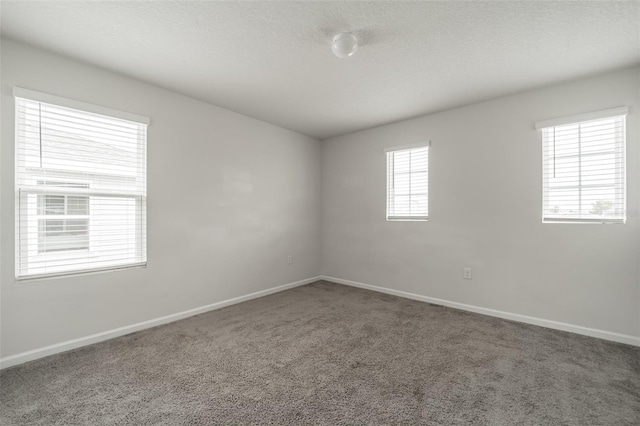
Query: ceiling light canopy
[{"x": 344, "y": 45}]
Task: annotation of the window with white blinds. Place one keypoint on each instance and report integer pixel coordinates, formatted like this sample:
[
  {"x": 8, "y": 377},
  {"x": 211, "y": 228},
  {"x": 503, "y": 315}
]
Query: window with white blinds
[
  {"x": 81, "y": 187},
  {"x": 408, "y": 182},
  {"x": 584, "y": 168}
]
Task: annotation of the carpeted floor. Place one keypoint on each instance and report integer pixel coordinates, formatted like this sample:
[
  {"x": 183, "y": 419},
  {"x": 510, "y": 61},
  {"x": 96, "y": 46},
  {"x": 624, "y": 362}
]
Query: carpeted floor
[{"x": 330, "y": 354}]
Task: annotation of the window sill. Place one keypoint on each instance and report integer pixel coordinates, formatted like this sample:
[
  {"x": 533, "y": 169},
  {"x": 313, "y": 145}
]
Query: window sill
[
  {"x": 407, "y": 219},
  {"x": 44, "y": 277},
  {"x": 585, "y": 221}
]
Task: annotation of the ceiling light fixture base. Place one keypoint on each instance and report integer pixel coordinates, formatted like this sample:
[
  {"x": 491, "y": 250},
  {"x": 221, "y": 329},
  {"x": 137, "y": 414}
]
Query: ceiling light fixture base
[{"x": 344, "y": 45}]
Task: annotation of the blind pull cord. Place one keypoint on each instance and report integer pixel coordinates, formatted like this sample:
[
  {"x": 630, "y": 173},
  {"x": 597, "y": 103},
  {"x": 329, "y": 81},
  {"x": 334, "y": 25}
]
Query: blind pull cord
[
  {"x": 554, "y": 151},
  {"x": 40, "y": 129}
]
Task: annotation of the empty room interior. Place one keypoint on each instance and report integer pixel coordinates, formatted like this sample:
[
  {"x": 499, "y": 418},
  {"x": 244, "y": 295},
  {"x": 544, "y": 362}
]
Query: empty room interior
[{"x": 320, "y": 213}]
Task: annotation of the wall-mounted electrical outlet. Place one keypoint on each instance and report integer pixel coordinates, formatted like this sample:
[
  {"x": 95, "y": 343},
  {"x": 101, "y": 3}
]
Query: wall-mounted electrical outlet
[
  {"x": 467, "y": 273},
  {"x": 289, "y": 260}
]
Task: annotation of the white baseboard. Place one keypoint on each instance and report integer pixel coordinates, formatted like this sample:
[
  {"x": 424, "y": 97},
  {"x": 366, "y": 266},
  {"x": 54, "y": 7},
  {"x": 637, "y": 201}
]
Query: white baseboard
[
  {"x": 110, "y": 334},
  {"x": 592, "y": 332}
]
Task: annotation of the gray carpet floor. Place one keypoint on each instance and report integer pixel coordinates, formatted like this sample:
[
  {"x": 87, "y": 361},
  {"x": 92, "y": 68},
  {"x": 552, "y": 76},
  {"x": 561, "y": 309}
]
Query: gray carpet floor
[{"x": 330, "y": 354}]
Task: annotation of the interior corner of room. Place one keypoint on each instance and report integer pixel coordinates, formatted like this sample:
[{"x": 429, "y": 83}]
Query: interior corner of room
[{"x": 237, "y": 196}]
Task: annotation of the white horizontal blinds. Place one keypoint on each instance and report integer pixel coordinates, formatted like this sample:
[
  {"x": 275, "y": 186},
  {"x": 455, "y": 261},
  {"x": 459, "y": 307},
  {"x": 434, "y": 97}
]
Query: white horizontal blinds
[
  {"x": 81, "y": 189},
  {"x": 408, "y": 183},
  {"x": 584, "y": 171}
]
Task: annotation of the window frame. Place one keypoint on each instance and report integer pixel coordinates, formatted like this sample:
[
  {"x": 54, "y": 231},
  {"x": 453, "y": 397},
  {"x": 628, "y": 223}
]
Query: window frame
[
  {"x": 31, "y": 186},
  {"x": 389, "y": 152},
  {"x": 619, "y": 173}
]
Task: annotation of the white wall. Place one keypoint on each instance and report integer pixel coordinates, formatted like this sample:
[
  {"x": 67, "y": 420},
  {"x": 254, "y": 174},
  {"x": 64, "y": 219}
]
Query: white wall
[
  {"x": 229, "y": 197},
  {"x": 485, "y": 213}
]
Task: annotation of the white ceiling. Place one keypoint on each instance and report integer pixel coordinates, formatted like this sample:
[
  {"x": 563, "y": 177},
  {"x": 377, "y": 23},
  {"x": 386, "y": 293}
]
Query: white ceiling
[{"x": 272, "y": 60}]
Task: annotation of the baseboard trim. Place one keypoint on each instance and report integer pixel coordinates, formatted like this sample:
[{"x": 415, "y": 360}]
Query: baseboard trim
[
  {"x": 34, "y": 354},
  {"x": 592, "y": 332}
]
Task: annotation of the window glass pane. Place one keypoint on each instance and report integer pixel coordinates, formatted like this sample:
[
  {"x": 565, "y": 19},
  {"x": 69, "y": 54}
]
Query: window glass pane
[
  {"x": 599, "y": 169},
  {"x": 401, "y": 182},
  {"x": 77, "y": 205},
  {"x": 563, "y": 202},
  {"x": 598, "y": 136},
  {"x": 419, "y": 159},
  {"x": 401, "y": 162},
  {"x": 61, "y": 235},
  {"x": 565, "y": 140},
  {"x": 599, "y": 201},
  {"x": 77, "y": 227},
  {"x": 50, "y": 228},
  {"x": 583, "y": 170},
  {"x": 418, "y": 206},
  {"x": 419, "y": 182},
  {"x": 565, "y": 172},
  {"x": 50, "y": 204},
  {"x": 401, "y": 204}
]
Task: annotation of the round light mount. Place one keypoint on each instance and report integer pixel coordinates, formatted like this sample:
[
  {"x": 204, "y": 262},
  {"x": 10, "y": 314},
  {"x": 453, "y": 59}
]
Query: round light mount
[{"x": 344, "y": 45}]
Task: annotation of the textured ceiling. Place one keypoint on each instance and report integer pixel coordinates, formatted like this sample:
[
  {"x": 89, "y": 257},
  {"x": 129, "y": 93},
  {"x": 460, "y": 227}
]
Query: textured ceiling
[{"x": 272, "y": 60}]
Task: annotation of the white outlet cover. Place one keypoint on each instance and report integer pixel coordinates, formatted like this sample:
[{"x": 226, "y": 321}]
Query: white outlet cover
[{"x": 467, "y": 273}]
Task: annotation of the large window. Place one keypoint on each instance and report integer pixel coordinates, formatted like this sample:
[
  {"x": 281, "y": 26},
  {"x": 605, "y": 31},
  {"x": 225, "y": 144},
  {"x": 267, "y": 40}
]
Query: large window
[
  {"x": 584, "y": 168},
  {"x": 80, "y": 187},
  {"x": 408, "y": 182}
]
